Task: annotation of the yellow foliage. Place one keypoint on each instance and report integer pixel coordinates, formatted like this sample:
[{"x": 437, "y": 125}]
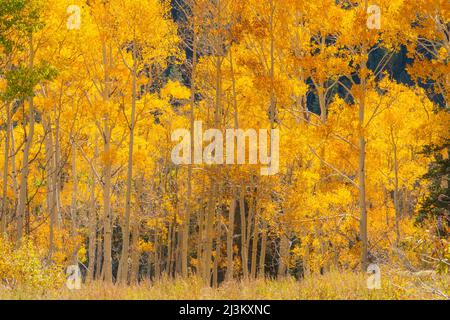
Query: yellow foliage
[{"x": 23, "y": 267}]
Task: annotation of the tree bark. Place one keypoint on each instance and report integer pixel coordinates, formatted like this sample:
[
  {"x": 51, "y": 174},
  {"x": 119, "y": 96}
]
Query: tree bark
[
  {"x": 92, "y": 229},
  {"x": 23, "y": 194},
  {"x": 284, "y": 256},
  {"x": 396, "y": 191},
  {"x": 244, "y": 249},
  {"x": 187, "y": 218},
  {"x": 254, "y": 246},
  {"x": 4, "y": 212},
  {"x": 135, "y": 254},
  {"x": 362, "y": 163},
  {"x": 126, "y": 232},
  {"x": 262, "y": 257},
  {"x": 74, "y": 209},
  {"x": 50, "y": 172},
  {"x": 230, "y": 235},
  {"x": 107, "y": 259}
]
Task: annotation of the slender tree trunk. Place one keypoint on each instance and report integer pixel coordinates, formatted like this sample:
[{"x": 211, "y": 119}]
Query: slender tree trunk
[
  {"x": 92, "y": 228},
  {"x": 262, "y": 257},
  {"x": 254, "y": 246},
  {"x": 98, "y": 227},
  {"x": 57, "y": 173},
  {"x": 107, "y": 223},
  {"x": 201, "y": 243},
  {"x": 23, "y": 197},
  {"x": 362, "y": 203},
  {"x": 50, "y": 171},
  {"x": 232, "y": 212},
  {"x": 4, "y": 212},
  {"x": 386, "y": 205},
  {"x": 362, "y": 161},
  {"x": 99, "y": 252},
  {"x": 306, "y": 262},
  {"x": 244, "y": 249},
  {"x": 284, "y": 254},
  {"x": 149, "y": 266},
  {"x": 272, "y": 112},
  {"x": 322, "y": 103},
  {"x": 362, "y": 188},
  {"x": 217, "y": 257},
  {"x": 156, "y": 255},
  {"x": 126, "y": 232},
  {"x": 169, "y": 249},
  {"x": 74, "y": 209},
  {"x": 209, "y": 226},
  {"x": 14, "y": 170},
  {"x": 107, "y": 259},
  {"x": 248, "y": 237},
  {"x": 172, "y": 258},
  {"x": 396, "y": 192},
  {"x": 187, "y": 218},
  {"x": 211, "y": 214},
  {"x": 178, "y": 257},
  {"x": 135, "y": 255},
  {"x": 230, "y": 235}
]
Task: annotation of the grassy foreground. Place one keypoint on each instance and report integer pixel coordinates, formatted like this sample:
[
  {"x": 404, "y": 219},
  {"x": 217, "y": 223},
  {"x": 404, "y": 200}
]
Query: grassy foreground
[{"x": 334, "y": 285}]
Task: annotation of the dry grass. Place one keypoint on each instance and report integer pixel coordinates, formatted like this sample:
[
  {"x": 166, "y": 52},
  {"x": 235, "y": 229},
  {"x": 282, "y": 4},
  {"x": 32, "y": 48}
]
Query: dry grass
[{"x": 332, "y": 286}]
